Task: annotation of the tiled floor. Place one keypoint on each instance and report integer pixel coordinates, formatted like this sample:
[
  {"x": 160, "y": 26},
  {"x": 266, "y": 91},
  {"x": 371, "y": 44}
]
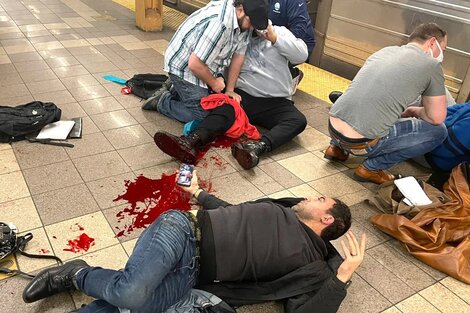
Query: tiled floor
[{"x": 57, "y": 50}]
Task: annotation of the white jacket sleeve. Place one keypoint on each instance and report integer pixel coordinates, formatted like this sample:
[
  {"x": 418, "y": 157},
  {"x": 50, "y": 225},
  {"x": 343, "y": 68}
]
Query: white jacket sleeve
[{"x": 292, "y": 48}]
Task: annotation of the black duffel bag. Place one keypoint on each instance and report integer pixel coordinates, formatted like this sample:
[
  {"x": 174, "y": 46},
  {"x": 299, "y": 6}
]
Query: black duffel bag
[
  {"x": 16, "y": 123},
  {"x": 145, "y": 85}
]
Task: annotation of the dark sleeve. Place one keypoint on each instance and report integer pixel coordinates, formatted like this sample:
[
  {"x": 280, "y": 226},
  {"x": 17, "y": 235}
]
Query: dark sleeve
[
  {"x": 286, "y": 202},
  {"x": 326, "y": 300},
  {"x": 299, "y": 21},
  {"x": 210, "y": 202}
]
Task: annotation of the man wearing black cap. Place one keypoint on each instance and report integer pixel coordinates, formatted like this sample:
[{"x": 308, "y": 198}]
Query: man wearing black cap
[{"x": 209, "y": 41}]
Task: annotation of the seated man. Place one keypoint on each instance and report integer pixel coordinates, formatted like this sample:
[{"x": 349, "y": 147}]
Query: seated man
[
  {"x": 265, "y": 85},
  {"x": 210, "y": 40},
  {"x": 269, "y": 249},
  {"x": 365, "y": 120}
]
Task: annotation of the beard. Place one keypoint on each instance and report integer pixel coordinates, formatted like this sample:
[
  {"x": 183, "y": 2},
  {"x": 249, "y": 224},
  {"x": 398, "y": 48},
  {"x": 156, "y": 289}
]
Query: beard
[
  {"x": 301, "y": 213},
  {"x": 240, "y": 21}
]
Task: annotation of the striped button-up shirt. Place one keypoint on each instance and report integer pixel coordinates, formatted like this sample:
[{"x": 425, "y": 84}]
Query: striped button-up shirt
[{"x": 213, "y": 34}]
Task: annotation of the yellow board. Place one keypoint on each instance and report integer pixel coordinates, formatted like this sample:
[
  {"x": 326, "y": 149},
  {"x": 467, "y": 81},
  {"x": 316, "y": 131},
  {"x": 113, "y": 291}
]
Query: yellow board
[
  {"x": 316, "y": 82},
  {"x": 10, "y": 263}
]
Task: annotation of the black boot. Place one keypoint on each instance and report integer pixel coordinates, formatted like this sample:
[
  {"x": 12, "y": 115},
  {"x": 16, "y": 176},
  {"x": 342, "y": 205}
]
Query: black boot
[
  {"x": 183, "y": 148},
  {"x": 334, "y": 95},
  {"x": 52, "y": 281},
  {"x": 247, "y": 154}
]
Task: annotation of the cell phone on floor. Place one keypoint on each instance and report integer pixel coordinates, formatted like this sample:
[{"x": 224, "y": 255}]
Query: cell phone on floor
[{"x": 185, "y": 175}]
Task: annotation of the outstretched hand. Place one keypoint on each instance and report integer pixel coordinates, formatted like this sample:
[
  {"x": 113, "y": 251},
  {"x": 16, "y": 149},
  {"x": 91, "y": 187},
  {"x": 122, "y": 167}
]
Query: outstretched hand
[
  {"x": 353, "y": 256},
  {"x": 194, "y": 184}
]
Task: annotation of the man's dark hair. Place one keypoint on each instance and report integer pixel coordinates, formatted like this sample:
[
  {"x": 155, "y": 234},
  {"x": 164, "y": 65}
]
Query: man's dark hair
[
  {"x": 426, "y": 31},
  {"x": 236, "y": 3},
  {"x": 342, "y": 214}
]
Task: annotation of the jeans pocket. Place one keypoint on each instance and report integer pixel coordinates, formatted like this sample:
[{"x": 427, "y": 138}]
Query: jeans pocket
[{"x": 373, "y": 150}]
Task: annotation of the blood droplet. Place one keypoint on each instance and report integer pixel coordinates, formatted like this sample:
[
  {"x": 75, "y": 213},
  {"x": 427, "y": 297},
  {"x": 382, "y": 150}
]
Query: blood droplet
[
  {"x": 224, "y": 142},
  {"x": 219, "y": 142},
  {"x": 81, "y": 243},
  {"x": 44, "y": 251},
  {"x": 217, "y": 161},
  {"x": 77, "y": 226}
]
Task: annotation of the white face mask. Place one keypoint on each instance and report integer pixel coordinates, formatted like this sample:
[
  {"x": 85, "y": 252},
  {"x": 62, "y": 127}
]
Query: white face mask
[{"x": 440, "y": 57}]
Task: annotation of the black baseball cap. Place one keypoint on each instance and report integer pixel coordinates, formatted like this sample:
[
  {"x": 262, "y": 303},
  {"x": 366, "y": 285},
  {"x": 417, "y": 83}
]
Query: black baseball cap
[{"x": 257, "y": 10}]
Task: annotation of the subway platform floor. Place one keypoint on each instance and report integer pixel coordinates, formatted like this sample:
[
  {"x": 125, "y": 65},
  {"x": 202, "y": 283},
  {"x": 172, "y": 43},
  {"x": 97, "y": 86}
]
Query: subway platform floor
[{"x": 57, "y": 51}]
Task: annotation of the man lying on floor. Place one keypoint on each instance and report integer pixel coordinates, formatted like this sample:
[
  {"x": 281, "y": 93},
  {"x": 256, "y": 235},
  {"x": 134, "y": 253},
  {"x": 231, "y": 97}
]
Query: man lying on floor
[{"x": 247, "y": 253}]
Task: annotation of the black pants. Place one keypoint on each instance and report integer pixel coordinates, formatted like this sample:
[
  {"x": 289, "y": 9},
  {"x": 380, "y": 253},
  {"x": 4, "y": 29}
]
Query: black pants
[{"x": 279, "y": 115}]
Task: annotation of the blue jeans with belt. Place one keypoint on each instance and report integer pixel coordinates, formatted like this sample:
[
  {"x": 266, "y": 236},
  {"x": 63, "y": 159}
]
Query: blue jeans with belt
[
  {"x": 182, "y": 103},
  {"x": 161, "y": 270},
  {"x": 407, "y": 139}
]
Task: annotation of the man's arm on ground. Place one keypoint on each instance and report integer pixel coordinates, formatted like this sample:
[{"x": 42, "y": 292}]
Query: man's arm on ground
[
  {"x": 327, "y": 299},
  {"x": 333, "y": 291},
  {"x": 210, "y": 202}
]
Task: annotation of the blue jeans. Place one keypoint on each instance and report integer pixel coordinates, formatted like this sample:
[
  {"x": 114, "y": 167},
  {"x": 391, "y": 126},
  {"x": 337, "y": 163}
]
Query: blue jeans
[
  {"x": 407, "y": 139},
  {"x": 161, "y": 270},
  {"x": 182, "y": 103}
]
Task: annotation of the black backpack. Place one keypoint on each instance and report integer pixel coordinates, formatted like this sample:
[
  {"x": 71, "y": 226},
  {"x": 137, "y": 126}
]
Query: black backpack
[
  {"x": 144, "y": 85},
  {"x": 26, "y": 119}
]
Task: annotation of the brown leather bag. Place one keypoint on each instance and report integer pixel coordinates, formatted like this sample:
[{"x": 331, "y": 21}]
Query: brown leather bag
[
  {"x": 390, "y": 200},
  {"x": 440, "y": 236}
]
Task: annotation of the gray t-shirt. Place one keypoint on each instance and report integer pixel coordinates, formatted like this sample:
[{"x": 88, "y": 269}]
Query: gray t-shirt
[{"x": 390, "y": 79}]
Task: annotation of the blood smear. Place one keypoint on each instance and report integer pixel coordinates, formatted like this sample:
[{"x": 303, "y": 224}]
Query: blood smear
[
  {"x": 148, "y": 198},
  {"x": 44, "y": 251},
  {"x": 81, "y": 243}
]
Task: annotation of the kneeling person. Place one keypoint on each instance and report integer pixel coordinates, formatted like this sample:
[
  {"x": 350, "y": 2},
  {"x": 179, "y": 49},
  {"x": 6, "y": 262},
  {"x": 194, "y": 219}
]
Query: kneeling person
[
  {"x": 265, "y": 86},
  {"x": 282, "y": 245},
  {"x": 365, "y": 120}
]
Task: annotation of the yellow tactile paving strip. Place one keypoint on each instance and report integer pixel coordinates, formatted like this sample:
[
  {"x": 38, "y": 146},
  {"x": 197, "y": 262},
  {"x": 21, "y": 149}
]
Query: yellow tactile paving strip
[
  {"x": 316, "y": 82},
  {"x": 319, "y": 83}
]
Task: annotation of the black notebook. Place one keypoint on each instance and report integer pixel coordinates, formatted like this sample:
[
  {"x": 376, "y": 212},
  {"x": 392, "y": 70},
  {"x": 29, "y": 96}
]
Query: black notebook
[{"x": 76, "y": 131}]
